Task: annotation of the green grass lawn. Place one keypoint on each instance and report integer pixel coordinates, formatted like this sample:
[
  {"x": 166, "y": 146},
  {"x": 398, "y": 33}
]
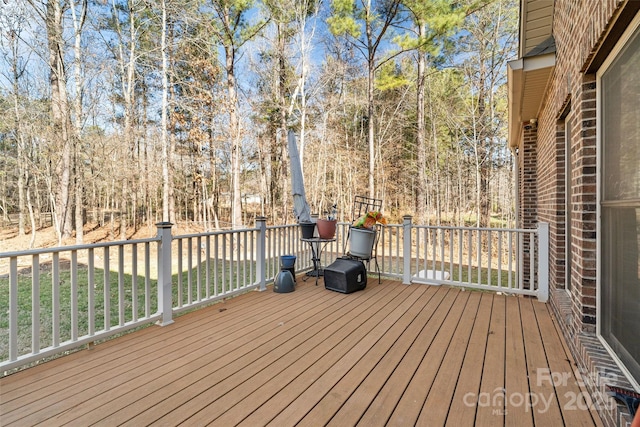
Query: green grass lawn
[
  {"x": 139, "y": 297},
  {"x": 137, "y": 300}
]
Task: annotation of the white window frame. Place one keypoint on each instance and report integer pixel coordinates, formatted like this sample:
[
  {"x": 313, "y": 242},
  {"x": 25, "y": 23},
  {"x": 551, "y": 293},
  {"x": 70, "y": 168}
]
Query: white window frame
[{"x": 631, "y": 29}]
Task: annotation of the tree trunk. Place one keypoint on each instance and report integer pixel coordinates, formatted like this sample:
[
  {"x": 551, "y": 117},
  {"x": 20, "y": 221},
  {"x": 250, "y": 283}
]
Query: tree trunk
[
  {"x": 370, "y": 130},
  {"x": 234, "y": 133},
  {"x": 21, "y": 155},
  {"x": 60, "y": 117},
  {"x": 32, "y": 219},
  {"x": 421, "y": 199},
  {"x": 78, "y": 24},
  {"x": 484, "y": 163},
  {"x": 436, "y": 161},
  {"x": 282, "y": 81}
]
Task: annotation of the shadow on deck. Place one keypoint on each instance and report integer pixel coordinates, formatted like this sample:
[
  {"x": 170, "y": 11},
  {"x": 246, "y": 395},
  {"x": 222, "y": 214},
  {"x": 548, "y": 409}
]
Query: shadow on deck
[{"x": 389, "y": 355}]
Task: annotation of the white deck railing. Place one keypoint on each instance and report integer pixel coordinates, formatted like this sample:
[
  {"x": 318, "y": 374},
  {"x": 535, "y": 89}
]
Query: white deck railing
[
  {"x": 56, "y": 299},
  {"x": 512, "y": 261}
]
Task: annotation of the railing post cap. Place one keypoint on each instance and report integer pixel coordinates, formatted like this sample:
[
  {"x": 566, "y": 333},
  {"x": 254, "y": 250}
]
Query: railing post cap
[
  {"x": 164, "y": 224},
  {"x": 261, "y": 218}
]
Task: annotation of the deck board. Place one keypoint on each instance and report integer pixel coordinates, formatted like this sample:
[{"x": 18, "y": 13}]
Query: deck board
[
  {"x": 516, "y": 411},
  {"x": 438, "y": 401},
  {"x": 490, "y": 406},
  {"x": 389, "y": 355},
  {"x": 227, "y": 371},
  {"x": 288, "y": 404},
  {"x": 411, "y": 403},
  {"x": 179, "y": 369},
  {"x": 568, "y": 391},
  {"x": 543, "y": 400},
  {"x": 351, "y": 409},
  {"x": 389, "y": 395},
  {"x": 319, "y": 340},
  {"x": 382, "y": 355},
  {"x": 462, "y": 410}
]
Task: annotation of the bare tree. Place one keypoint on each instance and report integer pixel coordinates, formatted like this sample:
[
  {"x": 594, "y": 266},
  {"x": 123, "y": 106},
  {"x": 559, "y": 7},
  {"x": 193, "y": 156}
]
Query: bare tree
[
  {"x": 376, "y": 22},
  {"x": 233, "y": 31},
  {"x": 52, "y": 13},
  {"x": 488, "y": 43},
  {"x": 127, "y": 58},
  {"x": 12, "y": 23},
  {"x": 152, "y": 116},
  {"x": 79, "y": 18}
]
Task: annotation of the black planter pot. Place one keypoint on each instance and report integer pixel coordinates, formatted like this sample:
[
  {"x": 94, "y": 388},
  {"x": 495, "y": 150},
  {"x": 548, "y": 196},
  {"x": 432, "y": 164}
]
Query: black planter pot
[{"x": 308, "y": 228}]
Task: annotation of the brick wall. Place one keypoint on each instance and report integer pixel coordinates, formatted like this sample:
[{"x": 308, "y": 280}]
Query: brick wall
[
  {"x": 580, "y": 28},
  {"x": 528, "y": 191},
  {"x": 528, "y": 178}
]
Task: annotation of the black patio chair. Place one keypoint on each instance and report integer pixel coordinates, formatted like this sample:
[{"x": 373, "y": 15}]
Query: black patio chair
[{"x": 362, "y": 205}]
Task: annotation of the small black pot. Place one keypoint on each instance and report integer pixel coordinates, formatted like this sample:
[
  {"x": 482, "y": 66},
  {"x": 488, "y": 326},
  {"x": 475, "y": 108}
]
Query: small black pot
[{"x": 308, "y": 228}]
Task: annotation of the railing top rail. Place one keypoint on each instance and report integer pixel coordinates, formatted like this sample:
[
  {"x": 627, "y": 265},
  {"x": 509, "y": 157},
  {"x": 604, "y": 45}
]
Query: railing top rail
[
  {"x": 214, "y": 233},
  {"x": 511, "y": 230},
  {"x": 217, "y": 232},
  {"x": 296, "y": 224},
  {"x": 76, "y": 247},
  {"x": 277, "y": 227}
]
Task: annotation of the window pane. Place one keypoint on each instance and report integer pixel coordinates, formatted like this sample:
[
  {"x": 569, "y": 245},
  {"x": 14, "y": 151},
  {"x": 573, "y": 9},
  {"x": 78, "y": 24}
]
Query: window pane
[
  {"x": 620, "y": 96},
  {"x": 620, "y": 208},
  {"x": 621, "y": 284}
]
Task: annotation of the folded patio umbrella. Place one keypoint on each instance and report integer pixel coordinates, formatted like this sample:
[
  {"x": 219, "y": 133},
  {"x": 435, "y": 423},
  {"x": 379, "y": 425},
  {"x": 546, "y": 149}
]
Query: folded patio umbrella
[{"x": 300, "y": 205}]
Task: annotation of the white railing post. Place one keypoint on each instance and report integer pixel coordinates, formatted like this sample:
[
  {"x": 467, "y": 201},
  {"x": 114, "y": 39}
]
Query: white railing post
[
  {"x": 13, "y": 308},
  {"x": 543, "y": 261},
  {"x": 261, "y": 252},
  {"x": 406, "y": 250},
  {"x": 165, "y": 298}
]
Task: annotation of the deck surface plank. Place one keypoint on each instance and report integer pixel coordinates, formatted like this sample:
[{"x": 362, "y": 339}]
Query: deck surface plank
[
  {"x": 544, "y": 402},
  {"x": 321, "y": 352},
  {"x": 438, "y": 401},
  {"x": 490, "y": 407},
  {"x": 225, "y": 368},
  {"x": 517, "y": 400},
  {"x": 413, "y": 399},
  {"x": 386, "y": 353},
  {"x": 182, "y": 367},
  {"x": 571, "y": 396},
  {"x": 462, "y": 411},
  {"x": 391, "y": 392},
  {"x": 296, "y": 409},
  {"x": 389, "y": 355},
  {"x": 350, "y": 410},
  {"x": 329, "y": 401}
]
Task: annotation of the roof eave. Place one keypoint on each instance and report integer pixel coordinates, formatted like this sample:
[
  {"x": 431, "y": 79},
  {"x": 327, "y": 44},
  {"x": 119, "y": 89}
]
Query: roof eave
[{"x": 525, "y": 101}]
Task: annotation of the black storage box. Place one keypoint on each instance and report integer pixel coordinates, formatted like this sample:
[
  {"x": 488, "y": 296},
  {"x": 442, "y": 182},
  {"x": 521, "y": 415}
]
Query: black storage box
[{"x": 345, "y": 275}]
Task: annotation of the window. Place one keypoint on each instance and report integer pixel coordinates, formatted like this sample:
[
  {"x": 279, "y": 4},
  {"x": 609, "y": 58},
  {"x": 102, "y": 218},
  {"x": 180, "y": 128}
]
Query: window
[{"x": 619, "y": 125}]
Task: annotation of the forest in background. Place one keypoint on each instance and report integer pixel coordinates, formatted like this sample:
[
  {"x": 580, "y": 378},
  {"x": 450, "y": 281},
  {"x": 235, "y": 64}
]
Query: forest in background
[{"x": 124, "y": 113}]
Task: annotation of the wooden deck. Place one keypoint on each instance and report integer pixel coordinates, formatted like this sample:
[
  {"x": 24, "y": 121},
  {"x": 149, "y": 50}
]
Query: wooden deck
[{"x": 389, "y": 355}]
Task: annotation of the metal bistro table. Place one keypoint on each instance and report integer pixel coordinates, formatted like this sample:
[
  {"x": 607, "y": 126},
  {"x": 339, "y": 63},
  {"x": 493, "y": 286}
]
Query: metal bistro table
[{"x": 317, "y": 246}]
